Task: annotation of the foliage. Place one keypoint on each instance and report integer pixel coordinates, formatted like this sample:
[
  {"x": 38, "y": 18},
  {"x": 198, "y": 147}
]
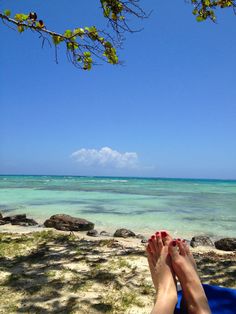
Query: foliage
[
  {"x": 86, "y": 45},
  {"x": 205, "y": 9}
]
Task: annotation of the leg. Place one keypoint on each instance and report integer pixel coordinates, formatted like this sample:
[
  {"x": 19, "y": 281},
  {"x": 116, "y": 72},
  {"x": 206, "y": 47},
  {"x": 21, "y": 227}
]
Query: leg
[
  {"x": 162, "y": 273},
  {"x": 185, "y": 269}
]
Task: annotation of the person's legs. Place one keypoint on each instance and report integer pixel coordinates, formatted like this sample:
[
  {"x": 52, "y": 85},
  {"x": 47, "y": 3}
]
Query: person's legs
[
  {"x": 162, "y": 273},
  {"x": 185, "y": 268}
]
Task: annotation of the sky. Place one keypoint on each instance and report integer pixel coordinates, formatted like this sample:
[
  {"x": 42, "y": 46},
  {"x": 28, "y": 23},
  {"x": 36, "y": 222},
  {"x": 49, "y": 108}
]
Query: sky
[{"x": 169, "y": 111}]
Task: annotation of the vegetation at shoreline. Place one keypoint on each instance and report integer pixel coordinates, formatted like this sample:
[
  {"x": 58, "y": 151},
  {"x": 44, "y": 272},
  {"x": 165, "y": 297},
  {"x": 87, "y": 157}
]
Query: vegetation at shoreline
[{"x": 58, "y": 272}]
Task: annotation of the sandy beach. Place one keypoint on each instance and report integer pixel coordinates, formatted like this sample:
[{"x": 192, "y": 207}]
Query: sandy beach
[{"x": 58, "y": 272}]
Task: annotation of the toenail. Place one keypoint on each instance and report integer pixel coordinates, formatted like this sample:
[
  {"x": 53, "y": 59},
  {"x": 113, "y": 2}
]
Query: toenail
[
  {"x": 183, "y": 240},
  {"x": 163, "y": 234},
  {"x": 150, "y": 240},
  {"x": 178, "y": 239},
  {"x": 174, "y": 243},
  {"x": 153, "y": 237},
  {"x": 157, "y": 233}
]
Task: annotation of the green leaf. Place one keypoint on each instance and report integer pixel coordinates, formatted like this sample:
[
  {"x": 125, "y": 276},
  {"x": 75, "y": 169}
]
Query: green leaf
[
  {"x": 108, "y": 44},
  {"x": 79, "y": 32},
  {"x": 195, "y": 12},
  {"x": 114, "y": 17},
  {"x": 68, "y": 33},
  {"x": 200, "y": 18},
  {"x": 87, "y": 54},
  {"x": 56, "y": 39},
  {"x": 87, "y": 66},
  {"x": 207, "y": 2},
  {"x": 106, "y": 12},
  {"x": 20, "y": 28},
  {"x": 20, "y": 17},
  {"x": 7, "y": 12}
]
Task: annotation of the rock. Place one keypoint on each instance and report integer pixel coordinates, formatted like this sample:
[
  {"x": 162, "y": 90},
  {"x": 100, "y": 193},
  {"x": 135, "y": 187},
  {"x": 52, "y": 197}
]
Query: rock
[
  {"x": 20, "y": 220},
  {"x": 140, "y": 236},
  {"x": 201, "y": 241},
  {"x": 0, "y": 216},
  {"x": 144, "y": 241},
  {"x": 68, "y": 223},
  {"x": 226, "y": 244},
  {"x": 105, "y": 234},
  {"x": 2, "y": 222},
  {"x": 15, "y": 218},
  {"x": 92, "y": 233},
  {"x": 124, "y": 233},
  {"x": 27, "y": 222}
]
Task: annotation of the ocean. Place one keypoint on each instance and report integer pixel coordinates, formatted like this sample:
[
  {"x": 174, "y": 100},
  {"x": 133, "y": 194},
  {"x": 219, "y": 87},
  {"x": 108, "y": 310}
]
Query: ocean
[{"x": 185, "y": 207}]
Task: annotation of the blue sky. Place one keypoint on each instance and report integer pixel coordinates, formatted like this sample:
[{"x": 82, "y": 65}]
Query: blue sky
[{"x": 170, "y": 111}]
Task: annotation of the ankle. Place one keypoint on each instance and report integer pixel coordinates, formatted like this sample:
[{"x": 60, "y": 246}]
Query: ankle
[
  {"x": 199, "y": 309},
  {"x": 167, "y": 294},
  {"x": 196, "y": 300}
]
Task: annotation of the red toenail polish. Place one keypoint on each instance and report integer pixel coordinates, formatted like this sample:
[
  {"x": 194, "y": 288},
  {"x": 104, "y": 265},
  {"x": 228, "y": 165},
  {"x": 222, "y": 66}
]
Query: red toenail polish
[
  {"x": 153, "y": 237},
  {"x": 150, "y": 240},
  {"x": 183, "y": 240},
  {"x": 157, "y": 233},
  {"x": 174, "y": 243},
  {"x": 178, "y": 239},
  {"x": 163, "y": 234}
]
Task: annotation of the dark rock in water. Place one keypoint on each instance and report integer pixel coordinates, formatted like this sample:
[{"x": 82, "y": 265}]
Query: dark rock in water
[
  {"x": 201, "y": 241},
  {"x": 0, "y": 215},
  {"x": 25, "y": 223},
  {"x": 68, "y": 223},
  {"x": 92, "y": 233},
  {"x": 20, "y": 220},
  {"x": 105, "y": 234},
  {"x": 21, "y": 217},
  {"x": 2, "y": 222},
  {"x": 226, "y": 244},
  {"x": 124, "y": 233}
]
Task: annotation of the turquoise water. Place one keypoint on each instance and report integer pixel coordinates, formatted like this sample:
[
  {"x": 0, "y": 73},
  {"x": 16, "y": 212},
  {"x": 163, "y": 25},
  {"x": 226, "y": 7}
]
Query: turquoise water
[{"x": 183, "y": 206}]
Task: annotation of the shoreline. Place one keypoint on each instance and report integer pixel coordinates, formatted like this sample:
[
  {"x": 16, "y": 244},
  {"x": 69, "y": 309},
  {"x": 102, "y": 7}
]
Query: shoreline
[{"x": 111, "y": 230}]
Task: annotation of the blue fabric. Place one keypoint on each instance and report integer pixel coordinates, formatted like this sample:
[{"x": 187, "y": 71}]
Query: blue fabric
[{"x": 221, "y": 300}]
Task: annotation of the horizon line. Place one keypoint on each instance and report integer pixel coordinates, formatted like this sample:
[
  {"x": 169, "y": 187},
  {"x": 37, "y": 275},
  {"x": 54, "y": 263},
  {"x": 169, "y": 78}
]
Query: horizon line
[{"x": 113, "y": 176}]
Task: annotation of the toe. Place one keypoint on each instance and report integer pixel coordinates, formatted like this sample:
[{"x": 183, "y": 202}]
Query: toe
[
  {"x": 154, "y": 241},
  {"x": 181, "y": 246},
  {"x": 151, "y": 259},
  {"x": 151, "y": 245},
  {"x": 159, "y": 241},
  {"x": 186, "y": 247},
  {"x": 166, "y": 237},
  {"x": 173, "y": 250}
]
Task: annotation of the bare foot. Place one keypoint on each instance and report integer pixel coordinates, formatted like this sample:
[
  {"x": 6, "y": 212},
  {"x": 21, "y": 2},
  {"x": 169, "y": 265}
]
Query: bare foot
[
  {"x": 185, "y": 268},
  {"x": 162, "y": 273},
  {"x": 189, "y": 253}
]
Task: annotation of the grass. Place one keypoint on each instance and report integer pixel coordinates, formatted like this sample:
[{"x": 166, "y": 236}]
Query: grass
[
  {"x": 146, "y": 288},
  {"x": 119, "y": 301},
  {"x": 46, "y": 270},
  {"x": 119, "y": 263}
]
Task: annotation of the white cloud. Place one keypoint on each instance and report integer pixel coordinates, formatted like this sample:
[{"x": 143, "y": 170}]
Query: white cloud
[{"x": 106, "y": 157}]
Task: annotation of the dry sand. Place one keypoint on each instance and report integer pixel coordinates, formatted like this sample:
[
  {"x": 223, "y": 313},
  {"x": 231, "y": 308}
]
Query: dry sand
[{"x": 55, "y": 272}]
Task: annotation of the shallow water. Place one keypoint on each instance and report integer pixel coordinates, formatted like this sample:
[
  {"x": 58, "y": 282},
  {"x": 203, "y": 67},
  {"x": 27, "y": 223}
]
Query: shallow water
[{"x": 183, "y": 206}]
